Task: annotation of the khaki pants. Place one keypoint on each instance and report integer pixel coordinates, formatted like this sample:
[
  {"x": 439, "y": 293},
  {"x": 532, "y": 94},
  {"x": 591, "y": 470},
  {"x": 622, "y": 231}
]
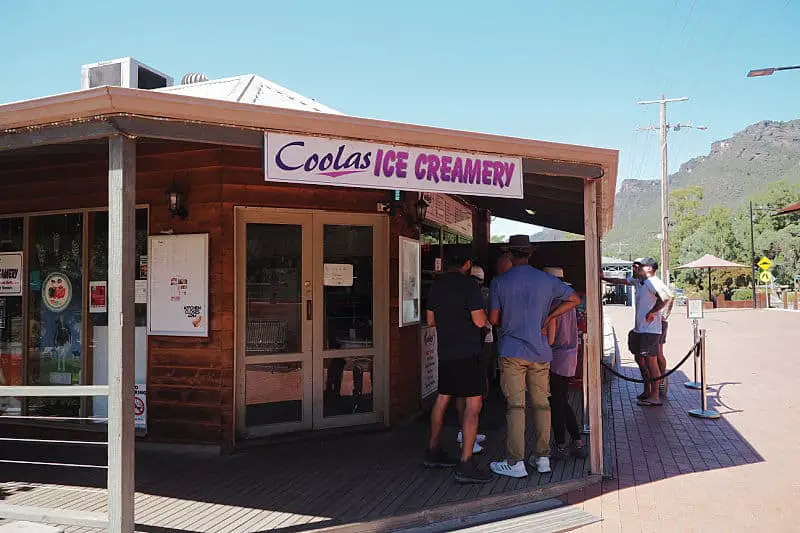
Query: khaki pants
[{"x": 515, "y": 376}]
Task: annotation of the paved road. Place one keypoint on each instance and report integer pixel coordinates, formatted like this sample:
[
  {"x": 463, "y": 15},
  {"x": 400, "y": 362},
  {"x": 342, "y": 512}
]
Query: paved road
[{"x": 754, "y": 367}]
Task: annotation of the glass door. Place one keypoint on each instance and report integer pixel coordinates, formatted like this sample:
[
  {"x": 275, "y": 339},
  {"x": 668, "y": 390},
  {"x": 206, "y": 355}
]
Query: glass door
[
  {"x": 275, "y": 308},
  {"x": 313, "y": 319},
  {"x": 349, "y": 327}
]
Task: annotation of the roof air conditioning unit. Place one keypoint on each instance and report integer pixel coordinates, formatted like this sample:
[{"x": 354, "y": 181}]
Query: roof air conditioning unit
[{"x": 124, "y": 72}]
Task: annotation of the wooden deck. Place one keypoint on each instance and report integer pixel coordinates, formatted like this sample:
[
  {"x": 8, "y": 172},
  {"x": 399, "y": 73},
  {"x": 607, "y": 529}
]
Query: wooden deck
[{"x": 288, "y": 487}]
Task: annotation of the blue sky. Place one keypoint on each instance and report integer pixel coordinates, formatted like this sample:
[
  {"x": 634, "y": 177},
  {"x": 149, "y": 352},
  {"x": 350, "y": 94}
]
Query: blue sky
[{"x": 558, "y": 71}]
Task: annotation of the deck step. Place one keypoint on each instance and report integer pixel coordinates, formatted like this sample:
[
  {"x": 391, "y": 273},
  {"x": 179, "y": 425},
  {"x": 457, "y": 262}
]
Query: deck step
[{"x": 546, "y": 516}]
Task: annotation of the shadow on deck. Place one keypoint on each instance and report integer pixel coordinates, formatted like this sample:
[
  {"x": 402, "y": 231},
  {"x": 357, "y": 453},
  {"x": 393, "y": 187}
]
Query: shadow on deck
[{"x": 288, "y": 487}]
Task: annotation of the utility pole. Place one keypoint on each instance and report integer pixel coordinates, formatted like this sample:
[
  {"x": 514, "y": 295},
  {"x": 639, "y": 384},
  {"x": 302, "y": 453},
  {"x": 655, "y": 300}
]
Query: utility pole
[{"x": 663, "y": 128}]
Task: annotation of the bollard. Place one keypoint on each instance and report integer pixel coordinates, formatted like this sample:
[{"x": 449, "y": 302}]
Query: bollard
[
  {"x": 585, "y": 387},
  {"x": 694, "y": 384},
  {"x": 704, "y": 411}
]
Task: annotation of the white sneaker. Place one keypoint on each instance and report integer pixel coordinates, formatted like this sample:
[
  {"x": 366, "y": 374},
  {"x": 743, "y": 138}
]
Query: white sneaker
[
  {"x": 479, "y": 438},
  {"x": 542, "y": 464},
  {"x": 502, "y": 468}
]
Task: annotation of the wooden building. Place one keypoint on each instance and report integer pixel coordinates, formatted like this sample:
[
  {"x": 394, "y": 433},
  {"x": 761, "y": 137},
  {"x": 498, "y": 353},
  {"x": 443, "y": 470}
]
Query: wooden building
[{"x": 302, "y": 329}]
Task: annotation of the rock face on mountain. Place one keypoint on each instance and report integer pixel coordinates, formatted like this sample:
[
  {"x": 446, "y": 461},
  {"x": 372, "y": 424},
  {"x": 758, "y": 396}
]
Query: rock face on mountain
[{"x": 733, "y": 170}]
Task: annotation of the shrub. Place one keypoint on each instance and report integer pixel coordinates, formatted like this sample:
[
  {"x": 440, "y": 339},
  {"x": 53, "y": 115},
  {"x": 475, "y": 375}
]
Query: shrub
[{"x": 745, "y": 293}]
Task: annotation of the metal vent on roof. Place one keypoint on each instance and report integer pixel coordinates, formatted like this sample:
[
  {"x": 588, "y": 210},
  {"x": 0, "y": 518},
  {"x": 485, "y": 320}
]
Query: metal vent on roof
[{"x": 193, "y": 77}]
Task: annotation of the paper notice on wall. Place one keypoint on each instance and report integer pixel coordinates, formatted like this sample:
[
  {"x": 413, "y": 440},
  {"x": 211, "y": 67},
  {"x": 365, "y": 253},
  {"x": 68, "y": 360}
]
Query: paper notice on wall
[
  {"x": 140, "y": 406},
  {"x": 97, "y": 297},
  {"x": 11, "y": 274},
  {"x": 338, "y": 275},
  {"x": 141, "y": 291}
]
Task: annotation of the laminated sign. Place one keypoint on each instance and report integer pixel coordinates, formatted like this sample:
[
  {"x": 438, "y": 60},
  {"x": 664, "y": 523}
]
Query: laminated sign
[{"x": 11, "y": 274}]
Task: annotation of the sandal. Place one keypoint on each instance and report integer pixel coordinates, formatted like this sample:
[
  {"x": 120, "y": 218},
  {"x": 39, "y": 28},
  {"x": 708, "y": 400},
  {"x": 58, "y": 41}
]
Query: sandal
[
  {"x": 649, "y": 403},
  {"x": 641, "y": 396}
]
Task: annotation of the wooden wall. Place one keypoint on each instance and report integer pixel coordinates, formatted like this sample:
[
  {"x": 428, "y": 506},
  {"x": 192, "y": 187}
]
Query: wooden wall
[{"x": 190, "y": 380}]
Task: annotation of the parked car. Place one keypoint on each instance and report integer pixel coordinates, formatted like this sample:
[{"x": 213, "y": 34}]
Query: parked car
[{"x": 680, "y": 296}]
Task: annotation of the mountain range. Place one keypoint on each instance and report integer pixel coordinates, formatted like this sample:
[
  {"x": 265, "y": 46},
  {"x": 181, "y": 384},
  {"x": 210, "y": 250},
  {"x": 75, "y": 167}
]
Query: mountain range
[{"x": 734, "y": 169}]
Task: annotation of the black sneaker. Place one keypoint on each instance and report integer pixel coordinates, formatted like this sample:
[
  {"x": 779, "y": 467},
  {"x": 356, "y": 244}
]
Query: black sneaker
[
  {"x": 471, "y": 472},
  {"x": 439, "y": 459},
  {"x": 559, "y": 453},
  {"x": 579, "y": 450}
]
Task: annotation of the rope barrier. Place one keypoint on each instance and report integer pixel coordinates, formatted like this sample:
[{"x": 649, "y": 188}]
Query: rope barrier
[{"x": 692, "y": 350}]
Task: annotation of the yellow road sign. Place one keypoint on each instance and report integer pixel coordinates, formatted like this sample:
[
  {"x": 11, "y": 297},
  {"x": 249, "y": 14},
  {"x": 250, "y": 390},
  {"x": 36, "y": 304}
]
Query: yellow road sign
[
  {"x": 764, "y": 263},
  {"x": 765, "y": 277}
]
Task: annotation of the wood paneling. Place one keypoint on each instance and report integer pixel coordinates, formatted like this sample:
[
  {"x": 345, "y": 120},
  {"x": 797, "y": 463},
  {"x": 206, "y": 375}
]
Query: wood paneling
[{"x": 191, "y": 380}]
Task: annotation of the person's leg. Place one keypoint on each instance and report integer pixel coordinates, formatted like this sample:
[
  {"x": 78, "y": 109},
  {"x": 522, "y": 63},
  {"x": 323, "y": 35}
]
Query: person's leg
[
  {"x": 461, "y": 405},
  {"x": 653, "y": 371},
  {"x": 512, "y": 382},
  {"x": 538, "y": 381},
  {"x": 437, "y": 421},
  {"x": 469, "y": 425},
  {"x": 557, "y": 399}
]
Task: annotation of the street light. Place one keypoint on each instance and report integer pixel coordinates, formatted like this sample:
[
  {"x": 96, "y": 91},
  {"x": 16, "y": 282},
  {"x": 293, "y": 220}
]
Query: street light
[{"x": 759, "y": 72}]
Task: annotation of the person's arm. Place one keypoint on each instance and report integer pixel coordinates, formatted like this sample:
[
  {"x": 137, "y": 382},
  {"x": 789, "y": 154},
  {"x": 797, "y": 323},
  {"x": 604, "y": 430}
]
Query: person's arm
[
  {"x": 551, "y": 332},
  {"x": 479, "y": 318},
  {"x": 494, "y": 303},
  {"x": 663, "y": 298},
  {"x": 571, "y": 302},
  {"x": 475, "y": 305},
  {"x": 615, "y": 281},
  {"x": 431, "y": 318}
]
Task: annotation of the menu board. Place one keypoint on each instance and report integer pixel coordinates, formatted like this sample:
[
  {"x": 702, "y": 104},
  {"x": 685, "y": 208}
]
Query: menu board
[
  {"x": 430, "y": 361},
  {"x": 178, "y": 285}
]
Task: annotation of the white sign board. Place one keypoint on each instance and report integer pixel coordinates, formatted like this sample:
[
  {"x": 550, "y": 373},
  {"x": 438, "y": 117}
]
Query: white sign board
[
  {"x": 694, "y": 308},
  {"x": 337, "y": 275},
  {"x": 178, "y": 285},
  {"x": 140, "y": 291},
  {"x": 347, "y": 163},
  {"x": 140, "y": 406},
  {"x": 430, "y": 361},
  {"x": 11, "y": 274},
  {"x": 410, "y": 269},
  {"x": 97, "y": 297}
]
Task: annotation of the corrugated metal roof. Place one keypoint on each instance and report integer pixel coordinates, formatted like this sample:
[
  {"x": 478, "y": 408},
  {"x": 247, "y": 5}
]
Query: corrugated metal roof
[{"x": 250, "y": 89}]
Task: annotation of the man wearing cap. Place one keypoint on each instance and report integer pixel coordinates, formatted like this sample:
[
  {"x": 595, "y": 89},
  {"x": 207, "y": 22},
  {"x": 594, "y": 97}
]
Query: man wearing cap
[
  {"x": 520, "y": 306},
  {"x": 652, "y": 297},
  {"x": 455, "y": 306}
]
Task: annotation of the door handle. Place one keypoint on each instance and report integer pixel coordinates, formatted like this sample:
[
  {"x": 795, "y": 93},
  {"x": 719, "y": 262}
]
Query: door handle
[{"x": 309, "y": 310}]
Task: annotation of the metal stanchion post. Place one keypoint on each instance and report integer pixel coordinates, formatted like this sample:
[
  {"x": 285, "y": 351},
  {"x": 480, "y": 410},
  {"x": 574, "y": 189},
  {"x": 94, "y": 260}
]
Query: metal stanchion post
[
  {"x": 704, "y": 411},
  {"x": 694, "y": 384},
  {"x": 585, "y": 387}
]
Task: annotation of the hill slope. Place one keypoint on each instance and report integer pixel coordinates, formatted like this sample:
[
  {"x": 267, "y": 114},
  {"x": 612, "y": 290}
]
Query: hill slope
[{"x": 734, "y": 169}]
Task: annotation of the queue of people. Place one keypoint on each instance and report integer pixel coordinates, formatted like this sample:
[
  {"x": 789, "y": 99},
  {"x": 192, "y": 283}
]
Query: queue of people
[{"x": 530, "y": 315}]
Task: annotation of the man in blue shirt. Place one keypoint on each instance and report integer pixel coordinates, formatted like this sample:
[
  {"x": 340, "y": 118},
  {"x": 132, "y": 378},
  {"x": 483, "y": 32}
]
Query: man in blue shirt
[{"x": 519, "y": 305}]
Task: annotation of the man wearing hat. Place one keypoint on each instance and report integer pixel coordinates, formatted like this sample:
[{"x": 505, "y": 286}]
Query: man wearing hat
[
  {"x": 455, "y": 306},
  {"x": 520, "y": 306}
]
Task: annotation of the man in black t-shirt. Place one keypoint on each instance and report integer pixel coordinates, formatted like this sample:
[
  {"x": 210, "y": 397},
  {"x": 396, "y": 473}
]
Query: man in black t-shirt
[{"x": 455, "y": 306}]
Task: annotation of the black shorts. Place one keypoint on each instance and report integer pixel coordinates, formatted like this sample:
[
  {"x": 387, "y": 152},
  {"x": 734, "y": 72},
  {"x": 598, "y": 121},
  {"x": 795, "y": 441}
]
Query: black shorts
[
  {"x": 664, "y": 325},
  {"x": 644, "y": 344},
  {"x": 463, "y": 378}
]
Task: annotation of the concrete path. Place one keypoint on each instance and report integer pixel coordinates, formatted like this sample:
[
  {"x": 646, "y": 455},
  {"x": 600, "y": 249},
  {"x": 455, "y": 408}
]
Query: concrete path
[{"x": 739, "y": 473}]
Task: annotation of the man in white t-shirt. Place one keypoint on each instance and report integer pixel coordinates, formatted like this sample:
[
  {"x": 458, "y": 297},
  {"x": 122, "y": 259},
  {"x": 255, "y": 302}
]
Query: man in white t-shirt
[{"x": 652, "y": 296}]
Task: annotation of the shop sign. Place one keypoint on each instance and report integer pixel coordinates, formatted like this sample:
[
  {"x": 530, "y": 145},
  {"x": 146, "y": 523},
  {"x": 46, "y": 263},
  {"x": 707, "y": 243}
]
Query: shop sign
[
  {"x": 430, "y": 361},
  {"x": 346, "y": 163},
  {"x": 11, "y": 274},
  {"x": 140, "y": 406},
  {"x": 57, "y": 292}
]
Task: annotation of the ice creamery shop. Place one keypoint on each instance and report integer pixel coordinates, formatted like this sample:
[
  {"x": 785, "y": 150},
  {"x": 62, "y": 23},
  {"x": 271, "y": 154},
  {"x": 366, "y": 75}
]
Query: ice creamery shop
[{"x": 271, "y": 255}]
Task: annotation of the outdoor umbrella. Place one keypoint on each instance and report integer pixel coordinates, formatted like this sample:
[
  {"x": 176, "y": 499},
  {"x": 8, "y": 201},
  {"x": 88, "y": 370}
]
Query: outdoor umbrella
[{"x": 709, "y": 261}]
